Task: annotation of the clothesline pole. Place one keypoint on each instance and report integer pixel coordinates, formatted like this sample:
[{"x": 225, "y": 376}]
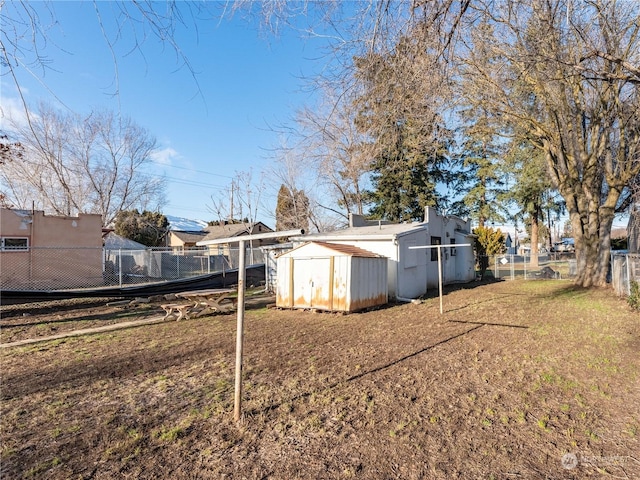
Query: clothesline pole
[
  {"x": 242, "y": 276},
  {"x": 237, "y": 404},
  {"x": 439, "y": 248}
]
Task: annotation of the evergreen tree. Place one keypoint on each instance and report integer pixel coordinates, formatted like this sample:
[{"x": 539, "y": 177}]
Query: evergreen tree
[
  {"x": 398, "y": 111},
  {"x": 147, "y": 228},
  {"x": 483, "y": 173},
  {"x": 404, "y": 180},
  {"x": 292, "y": 209},
  {"x": 532, "y": 192},
  {"x": 487, "y": 242}
]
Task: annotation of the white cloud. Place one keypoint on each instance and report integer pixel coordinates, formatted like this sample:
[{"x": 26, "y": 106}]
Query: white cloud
[
  {"x": 13, "y": 114},
  {"x": 165, "y": 156}
]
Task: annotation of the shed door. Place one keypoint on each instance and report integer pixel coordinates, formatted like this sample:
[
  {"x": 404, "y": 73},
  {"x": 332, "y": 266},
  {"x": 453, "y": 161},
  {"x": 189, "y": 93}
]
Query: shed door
[{"x": 311, "y": 283}]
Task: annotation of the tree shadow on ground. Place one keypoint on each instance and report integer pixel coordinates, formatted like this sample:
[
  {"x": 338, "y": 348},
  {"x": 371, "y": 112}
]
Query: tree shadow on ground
[{"x": 366, "y": 373}]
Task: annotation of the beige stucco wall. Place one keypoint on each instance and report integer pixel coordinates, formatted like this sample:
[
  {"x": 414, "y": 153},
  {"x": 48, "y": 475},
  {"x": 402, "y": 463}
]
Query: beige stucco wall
[
  {"x": 174, "y": 241},
  {"x": 64, "y": 252}
]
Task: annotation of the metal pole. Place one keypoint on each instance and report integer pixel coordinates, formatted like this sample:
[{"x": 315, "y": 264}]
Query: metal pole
[
  {"x": 440, "y": 276},
  {"x": 453, "y": 245},
  {"x": 237, "y": 409}
]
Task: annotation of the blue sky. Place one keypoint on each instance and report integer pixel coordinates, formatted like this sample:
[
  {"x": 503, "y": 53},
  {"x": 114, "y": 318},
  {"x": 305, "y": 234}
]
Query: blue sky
[{"x": 209, "y": 128}]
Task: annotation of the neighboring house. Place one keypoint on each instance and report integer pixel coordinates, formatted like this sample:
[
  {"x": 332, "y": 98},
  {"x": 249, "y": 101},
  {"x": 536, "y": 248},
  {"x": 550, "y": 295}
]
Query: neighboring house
[
  {"x": 508, "y": 243},
  {"x": 411, "y": 272},
  {"x": 230, "y": 230},
  {"x": 633, "y": 230},
  {"x": 179, "y": 240},
  {"x": 48, "y": 251}
]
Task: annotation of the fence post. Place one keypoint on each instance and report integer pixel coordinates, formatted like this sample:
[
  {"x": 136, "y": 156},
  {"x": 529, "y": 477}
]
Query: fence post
[
  {"x": 628, "y": 260},
  {"x": 120, "y": 267},
  {"x": 525, "y": 264}
]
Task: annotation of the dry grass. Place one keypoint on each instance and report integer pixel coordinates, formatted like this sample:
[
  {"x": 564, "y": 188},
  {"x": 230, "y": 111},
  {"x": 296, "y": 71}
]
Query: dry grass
[{"x": 513, "y": 377}]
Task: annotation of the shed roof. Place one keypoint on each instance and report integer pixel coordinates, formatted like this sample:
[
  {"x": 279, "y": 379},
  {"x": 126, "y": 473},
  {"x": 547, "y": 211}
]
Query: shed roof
[
  {"x": 348, "y": 250},
  {"x": 214, "y": 232}
]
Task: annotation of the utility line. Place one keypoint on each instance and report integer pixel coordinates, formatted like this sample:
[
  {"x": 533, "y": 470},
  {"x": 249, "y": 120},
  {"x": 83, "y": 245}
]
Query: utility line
[
  {"x": 189, "y": 182},
  {"x": 190, "y": 169}
]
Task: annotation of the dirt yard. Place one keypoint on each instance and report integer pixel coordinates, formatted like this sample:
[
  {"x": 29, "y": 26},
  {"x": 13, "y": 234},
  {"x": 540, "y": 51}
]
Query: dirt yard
[{"x": 517, "y": 380}]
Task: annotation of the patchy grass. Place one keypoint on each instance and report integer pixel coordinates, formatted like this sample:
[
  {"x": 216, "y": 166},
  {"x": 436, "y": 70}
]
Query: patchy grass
[{"x": 512, "y": 378}]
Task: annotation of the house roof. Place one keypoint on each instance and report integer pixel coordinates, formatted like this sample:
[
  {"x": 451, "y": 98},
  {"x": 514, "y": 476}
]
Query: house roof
[
  {"x": 370, "y": 232},
  {"x": 348, "y": 250},
  {"x": 113, "y": 241},
  {"x": 619, "y": 233},
  {"x": 188, "y": 237},
  {"x": 214, "y": 232}
]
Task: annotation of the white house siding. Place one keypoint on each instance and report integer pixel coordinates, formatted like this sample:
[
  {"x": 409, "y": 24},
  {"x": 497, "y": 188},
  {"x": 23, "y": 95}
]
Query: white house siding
[
  {"x": 414, "y": 274},
  {"x": 465, "y": 259},
  {"x": 410, "y": 273}
]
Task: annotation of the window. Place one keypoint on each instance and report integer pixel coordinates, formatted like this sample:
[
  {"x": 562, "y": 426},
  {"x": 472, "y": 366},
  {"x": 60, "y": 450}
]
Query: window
[
  {"x": 453, "y": 249},
  {"x": 434, "y": 251},
  {"x": 14, "y": 244}
]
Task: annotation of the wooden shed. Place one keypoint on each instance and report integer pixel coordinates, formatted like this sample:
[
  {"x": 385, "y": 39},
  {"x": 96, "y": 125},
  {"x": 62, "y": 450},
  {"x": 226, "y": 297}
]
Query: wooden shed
[{"x": 332, "y": 277}]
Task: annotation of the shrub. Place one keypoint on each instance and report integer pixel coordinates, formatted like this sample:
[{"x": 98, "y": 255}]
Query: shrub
[
  {"x": 634, "y": 296},
  {"x": 488, "y": 242}
]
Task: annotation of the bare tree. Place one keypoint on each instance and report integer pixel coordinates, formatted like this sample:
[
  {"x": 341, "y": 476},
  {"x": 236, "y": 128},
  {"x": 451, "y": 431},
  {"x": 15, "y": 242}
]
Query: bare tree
[
  {"x": 288, "y": 174},
  {"x": 240, "y": 202},
  {"x": 27, "y": 29},
  {"x": 340, "y": 154},
  {"x": 73, "y": 164},
  {"x": 581, "y": 110}
]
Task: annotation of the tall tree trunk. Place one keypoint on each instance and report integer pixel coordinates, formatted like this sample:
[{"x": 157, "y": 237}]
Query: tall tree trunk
[{"x": 591, "y": 225}]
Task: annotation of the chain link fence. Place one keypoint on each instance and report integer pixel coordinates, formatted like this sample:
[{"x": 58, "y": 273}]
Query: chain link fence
[
  {"x": 50, "y": 268},
  {"x": 531, "y": 267},
  {"x": 625, "y": 268}
]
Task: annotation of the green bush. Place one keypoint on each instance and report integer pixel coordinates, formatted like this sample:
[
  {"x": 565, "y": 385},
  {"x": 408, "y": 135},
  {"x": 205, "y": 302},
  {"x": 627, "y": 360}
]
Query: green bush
[
  {"x": 634, "y": 296},
  {"x": 487, "y": 242}
]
